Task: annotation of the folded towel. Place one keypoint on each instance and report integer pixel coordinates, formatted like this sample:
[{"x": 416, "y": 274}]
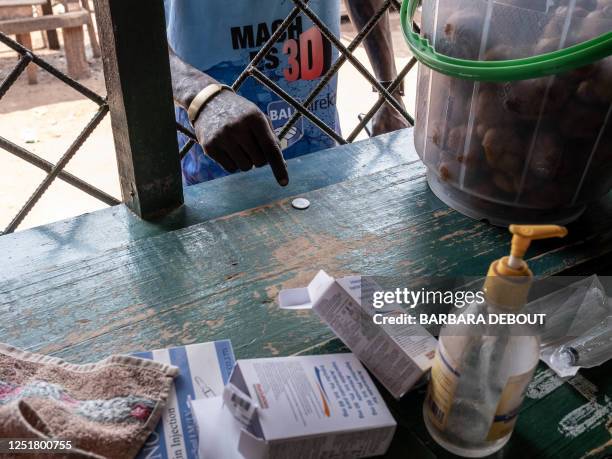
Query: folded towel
[{"x": 105, "y": 409}]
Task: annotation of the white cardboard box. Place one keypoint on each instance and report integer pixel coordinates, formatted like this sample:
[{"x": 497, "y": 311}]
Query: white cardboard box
[
  {"x": 313, "y": 407},
  {"x": 397, "y": 355}
]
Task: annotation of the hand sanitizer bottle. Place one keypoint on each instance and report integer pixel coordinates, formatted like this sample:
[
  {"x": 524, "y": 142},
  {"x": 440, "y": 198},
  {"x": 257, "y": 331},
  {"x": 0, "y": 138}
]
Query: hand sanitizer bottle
[{"x": 479, "y": 377}]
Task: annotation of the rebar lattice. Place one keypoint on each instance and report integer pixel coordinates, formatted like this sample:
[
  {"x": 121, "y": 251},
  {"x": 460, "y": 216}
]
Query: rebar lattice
[
  {"x": 385, "y": 95},
  {"x": 346, "y": 54},
  {"x": 53, "y": 171}
]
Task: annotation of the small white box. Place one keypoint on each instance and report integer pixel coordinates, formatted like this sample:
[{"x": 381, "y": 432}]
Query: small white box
[
  {"x": 313, "y": 407},
  {"x": 397, "y": 355}
]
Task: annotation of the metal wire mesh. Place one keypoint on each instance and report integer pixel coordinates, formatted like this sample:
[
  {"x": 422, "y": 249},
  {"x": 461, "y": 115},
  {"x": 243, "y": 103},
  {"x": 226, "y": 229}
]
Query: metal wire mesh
[
  {"x": 53, "y": 170},
  {"x": 346, "y": 54},
  {"x": 251, "y": 71}
]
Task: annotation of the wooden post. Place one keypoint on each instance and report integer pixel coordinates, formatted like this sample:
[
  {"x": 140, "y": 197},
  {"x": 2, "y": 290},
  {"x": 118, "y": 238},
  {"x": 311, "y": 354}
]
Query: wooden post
[
  {"x": 25, "y": 39},
  {"x": 47, "y": 10},
  {"x": 93, "y": 38},
  {"x": 137, "y": 72},
  {"x": 74, "y": 46}
]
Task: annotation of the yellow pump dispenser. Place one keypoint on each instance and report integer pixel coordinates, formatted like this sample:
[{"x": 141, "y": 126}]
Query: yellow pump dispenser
[
  {"x": 509, "y": 278},
  {"x": 480, "y": 374}
]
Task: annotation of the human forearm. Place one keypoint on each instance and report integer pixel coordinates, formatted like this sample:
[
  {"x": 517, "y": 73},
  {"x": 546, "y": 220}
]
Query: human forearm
[
  {"x": 231, "y": 129},
  {"x": 187, "y": 81},
  {"x": 379, "y": 48},
  {"x": 378, "y": 43}
]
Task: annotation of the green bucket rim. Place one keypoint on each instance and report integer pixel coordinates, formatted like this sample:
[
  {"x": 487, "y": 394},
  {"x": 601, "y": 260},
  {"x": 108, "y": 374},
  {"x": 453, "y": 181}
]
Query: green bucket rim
[{"x": 542, "y": 65}]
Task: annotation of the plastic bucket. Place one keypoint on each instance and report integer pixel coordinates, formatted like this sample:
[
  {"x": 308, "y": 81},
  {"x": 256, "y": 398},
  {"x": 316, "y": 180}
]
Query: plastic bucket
[{"x": 514, "y": 105}]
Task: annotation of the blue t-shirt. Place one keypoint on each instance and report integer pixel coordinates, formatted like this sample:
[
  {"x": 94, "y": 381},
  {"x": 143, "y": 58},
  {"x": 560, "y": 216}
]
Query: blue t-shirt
[{"x": 221, "y": 37}]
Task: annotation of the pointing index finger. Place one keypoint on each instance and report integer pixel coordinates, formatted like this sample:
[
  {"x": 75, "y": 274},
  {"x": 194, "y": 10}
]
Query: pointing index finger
[{"x": 269, "y": 146}]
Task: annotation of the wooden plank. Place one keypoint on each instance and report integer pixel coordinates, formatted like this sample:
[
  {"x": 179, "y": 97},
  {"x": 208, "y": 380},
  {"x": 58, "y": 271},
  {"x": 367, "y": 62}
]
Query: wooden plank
[
  {"x": 49, "y": 290},
  {"x": 209, "y": 280},
  {"x": 15, "y": 12},
  {"x": 142, "y": 109},
  {"x": 58, "y": 21},
  {"x": 10, "y": 3},
  {"x": 92, "y": 234},
  {"x": 566, "y": 433},
  {"x": 203, "y": 282},
  {"x": 189, "y": 273}
]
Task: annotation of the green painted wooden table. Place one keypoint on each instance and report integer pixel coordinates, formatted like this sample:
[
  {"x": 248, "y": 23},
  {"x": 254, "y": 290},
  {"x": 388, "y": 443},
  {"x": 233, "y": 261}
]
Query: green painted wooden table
[{"x": 107, "y": 282}]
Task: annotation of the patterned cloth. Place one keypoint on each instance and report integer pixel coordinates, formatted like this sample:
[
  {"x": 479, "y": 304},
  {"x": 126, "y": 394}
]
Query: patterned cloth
[{"x": 106, "y": 409}]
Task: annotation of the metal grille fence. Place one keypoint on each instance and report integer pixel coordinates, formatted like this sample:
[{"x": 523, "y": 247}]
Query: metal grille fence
[
  {"x": 346, "y": 54},
  {"x": 53, "y": 170}
]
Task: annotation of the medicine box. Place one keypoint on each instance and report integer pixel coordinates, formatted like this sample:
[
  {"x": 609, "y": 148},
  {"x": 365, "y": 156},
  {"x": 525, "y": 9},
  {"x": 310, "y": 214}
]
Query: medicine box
[
  {"x": 300, "y": 407},
  {"x": 399, "y": 356}
]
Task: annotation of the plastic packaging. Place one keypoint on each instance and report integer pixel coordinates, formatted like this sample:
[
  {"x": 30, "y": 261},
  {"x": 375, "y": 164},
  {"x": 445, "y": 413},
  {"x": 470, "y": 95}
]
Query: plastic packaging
[
  {"x": 588, "y": 351},
  {"x": 571, "y": 310},
  {"x": 535, "y": 150},
  {"x": 578, "y": 330}
]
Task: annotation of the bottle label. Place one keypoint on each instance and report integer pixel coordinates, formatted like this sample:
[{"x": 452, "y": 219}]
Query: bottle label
[
  {"x": 509, "y": 405},
  {"x": 442, "y": 387}
]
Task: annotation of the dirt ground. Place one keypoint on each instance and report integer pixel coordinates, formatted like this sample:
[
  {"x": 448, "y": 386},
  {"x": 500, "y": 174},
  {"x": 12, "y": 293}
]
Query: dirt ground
[{"x": 46, "y": 117}]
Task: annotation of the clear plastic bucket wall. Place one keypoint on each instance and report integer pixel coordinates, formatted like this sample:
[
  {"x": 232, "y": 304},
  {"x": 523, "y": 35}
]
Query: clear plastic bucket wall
[{"x": 524, "y": 151}]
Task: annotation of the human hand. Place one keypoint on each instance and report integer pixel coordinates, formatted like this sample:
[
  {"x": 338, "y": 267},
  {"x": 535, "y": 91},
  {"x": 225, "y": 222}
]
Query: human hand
[{"x": 237, "y": 135}]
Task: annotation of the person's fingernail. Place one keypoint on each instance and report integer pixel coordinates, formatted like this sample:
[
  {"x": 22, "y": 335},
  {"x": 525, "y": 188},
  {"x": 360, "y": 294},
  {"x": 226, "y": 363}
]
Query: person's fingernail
[{"x": 283, "y": 182}]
